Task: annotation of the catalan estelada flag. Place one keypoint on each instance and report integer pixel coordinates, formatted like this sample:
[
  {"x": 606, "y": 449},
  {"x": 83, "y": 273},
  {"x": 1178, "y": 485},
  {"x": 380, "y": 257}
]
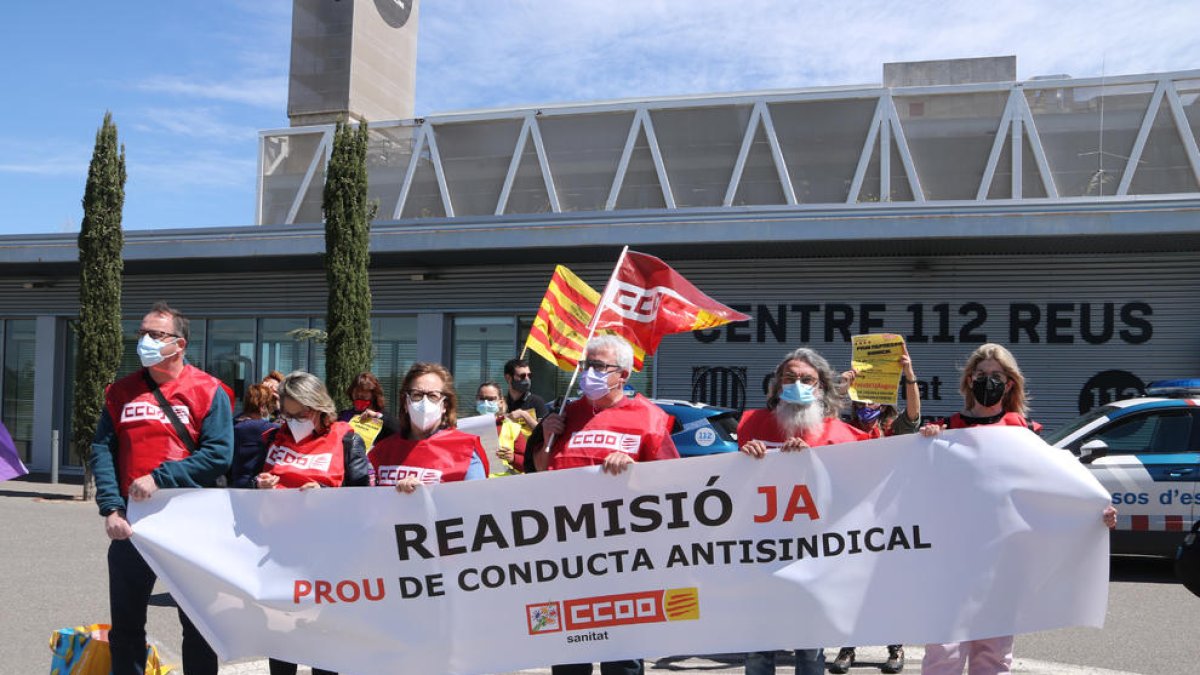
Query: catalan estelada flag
[{"x": 560, "y": 329}]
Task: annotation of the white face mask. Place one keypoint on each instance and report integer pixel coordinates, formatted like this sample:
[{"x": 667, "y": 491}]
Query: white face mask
[
  {"x": 301, "y": 429},
  {"x": 424, "y": 414},
  {"x": 150, "y": 351}
]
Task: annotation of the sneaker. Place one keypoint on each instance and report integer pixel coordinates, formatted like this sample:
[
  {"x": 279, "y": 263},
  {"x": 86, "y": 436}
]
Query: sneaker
[
  {"x": 844, "y": 660},
  {"x": 895, "y": 662}
]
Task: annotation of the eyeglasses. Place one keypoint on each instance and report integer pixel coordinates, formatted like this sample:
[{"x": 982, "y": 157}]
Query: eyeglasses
[
  {"x": 487, "y": 398},
  {"x": 416, "y": 395},
  {"x": 601, "y": 367},
  {"x": 791, "y": 378},
  {"x": 520, "y": 376},
  {"x": 157, "y": 335},
  {"x": 299, "y": 417}
]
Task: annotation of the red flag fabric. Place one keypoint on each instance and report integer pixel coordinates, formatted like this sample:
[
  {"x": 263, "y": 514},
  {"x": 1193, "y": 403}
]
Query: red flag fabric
[{"x": 647, "y": 299}]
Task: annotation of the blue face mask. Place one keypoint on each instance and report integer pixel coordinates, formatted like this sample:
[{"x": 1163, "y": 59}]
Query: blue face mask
[
  {"x": 594, "y": 385},
  {"x": 798, "y": 393},
  {"x": 150, "y": 351},
  {"x": 867, "y": 415},
  {"x": 487, "y": 407}
]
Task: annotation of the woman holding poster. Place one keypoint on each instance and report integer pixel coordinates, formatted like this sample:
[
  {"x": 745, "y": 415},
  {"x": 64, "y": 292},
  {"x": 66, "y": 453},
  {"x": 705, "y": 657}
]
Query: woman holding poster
[
  {"x": 879, "y": 420},
  {"x": 993, "y": 390},
  {"x": 428, "y": 449}
]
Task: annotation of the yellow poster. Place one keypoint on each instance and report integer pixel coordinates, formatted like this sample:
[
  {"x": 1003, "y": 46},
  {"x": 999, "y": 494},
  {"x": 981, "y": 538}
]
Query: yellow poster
[
  {"x": 876, "y": 359},
  {"x": 367, "y": 429}
]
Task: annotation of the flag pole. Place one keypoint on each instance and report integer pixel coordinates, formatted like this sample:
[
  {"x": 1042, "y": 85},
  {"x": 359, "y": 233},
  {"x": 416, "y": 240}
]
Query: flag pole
[{"x": 608, "y": 290}]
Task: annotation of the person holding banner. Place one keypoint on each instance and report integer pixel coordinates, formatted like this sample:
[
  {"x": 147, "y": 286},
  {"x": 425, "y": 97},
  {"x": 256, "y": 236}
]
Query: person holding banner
[
  {"x": 993, "y": 390},
  {"x": 803, "y": 403},
  {"x": 168, "y": 425},
  {"x": 428, "y": 449},
  {"x": 311, "y": 450},
  {"x": 590, "y": 431}
]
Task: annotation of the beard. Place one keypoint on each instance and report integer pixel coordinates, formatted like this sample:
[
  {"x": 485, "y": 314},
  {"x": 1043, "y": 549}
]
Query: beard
[{"x": 795, "y": 419}]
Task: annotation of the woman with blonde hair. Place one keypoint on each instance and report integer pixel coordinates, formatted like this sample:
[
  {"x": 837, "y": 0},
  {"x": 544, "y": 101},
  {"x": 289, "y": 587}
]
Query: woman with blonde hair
[
  {"x": 993, "y": 390},
  {"x": 311, "y": 450},
  {"x": 428, "y": 449}
]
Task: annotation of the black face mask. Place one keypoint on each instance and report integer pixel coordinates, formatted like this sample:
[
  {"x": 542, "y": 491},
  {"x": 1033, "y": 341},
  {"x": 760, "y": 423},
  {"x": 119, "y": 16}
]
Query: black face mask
[
  {"x": 522, "y": 385},
  {"x": 988, "y": 391}
]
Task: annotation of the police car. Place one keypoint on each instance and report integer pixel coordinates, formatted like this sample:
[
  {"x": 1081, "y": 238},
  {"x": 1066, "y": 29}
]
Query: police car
[
  {"x": 1146, "y": 453},
  {"x": 699, "y": 428}
]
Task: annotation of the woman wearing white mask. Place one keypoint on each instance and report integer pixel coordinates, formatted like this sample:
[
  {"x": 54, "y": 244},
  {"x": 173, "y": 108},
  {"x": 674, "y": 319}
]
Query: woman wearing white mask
[
  {"x": 428, "y": 448},
  {"x": 311, "y": 450}
]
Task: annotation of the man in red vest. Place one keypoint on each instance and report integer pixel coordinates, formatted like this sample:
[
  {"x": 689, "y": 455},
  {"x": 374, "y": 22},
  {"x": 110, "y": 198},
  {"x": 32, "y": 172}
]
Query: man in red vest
[
  {"x": 608, "y": 428},
  {"x": 803, "y": 403},
  {"x": 139, "y": 449}
]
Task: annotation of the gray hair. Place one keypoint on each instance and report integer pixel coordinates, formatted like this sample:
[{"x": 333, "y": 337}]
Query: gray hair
[
  {"x": 831, "y": 394},
  {"x": 307, "y": 390},
  {"x": 617, "y": 344}
]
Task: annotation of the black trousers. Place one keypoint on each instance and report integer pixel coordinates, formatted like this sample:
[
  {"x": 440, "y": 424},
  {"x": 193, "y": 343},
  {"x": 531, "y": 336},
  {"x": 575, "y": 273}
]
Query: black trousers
[
  {"x": 606, "y": 668},
  {"x": 130, "y": 583}
]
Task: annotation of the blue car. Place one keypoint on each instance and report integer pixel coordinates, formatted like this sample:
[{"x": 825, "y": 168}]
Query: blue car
[
  {"x": 701, "y": 429},
  {"x": 1146, "y": 453}
]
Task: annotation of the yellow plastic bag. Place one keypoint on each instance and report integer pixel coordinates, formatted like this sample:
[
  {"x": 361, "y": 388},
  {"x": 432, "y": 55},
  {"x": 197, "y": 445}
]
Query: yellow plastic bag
[{"x": 83, "y": 650}]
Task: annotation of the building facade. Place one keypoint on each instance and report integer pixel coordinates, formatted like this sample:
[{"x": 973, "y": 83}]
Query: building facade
[{"x": 952, "y": 205}]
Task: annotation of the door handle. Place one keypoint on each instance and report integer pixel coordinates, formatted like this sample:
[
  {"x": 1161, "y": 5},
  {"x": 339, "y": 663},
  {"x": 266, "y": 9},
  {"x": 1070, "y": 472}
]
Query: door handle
[{"x": 1180, "y": 472}]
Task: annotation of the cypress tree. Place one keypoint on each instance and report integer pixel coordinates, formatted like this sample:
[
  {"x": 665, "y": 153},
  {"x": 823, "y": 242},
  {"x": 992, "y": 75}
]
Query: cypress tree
[
  {"x": 100, "y": 269},
  {"x": 347, "y": 256}
]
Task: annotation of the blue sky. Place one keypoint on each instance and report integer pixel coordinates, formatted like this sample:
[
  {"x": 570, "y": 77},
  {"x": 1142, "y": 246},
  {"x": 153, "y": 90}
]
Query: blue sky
[{"x": 191, "y": 84}]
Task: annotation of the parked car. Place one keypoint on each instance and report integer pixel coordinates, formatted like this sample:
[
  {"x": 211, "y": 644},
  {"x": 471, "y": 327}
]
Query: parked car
[
  {"x": 701, "y": 429},
  {"x": 1146, "y": 453}
]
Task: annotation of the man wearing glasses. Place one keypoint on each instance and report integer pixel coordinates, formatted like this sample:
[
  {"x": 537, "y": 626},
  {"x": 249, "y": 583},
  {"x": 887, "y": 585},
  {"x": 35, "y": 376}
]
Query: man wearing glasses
[
  {"x": 803, "y": 403},
  {"x": 137, "y": 450},
  {"x": 608, "y": 428}
]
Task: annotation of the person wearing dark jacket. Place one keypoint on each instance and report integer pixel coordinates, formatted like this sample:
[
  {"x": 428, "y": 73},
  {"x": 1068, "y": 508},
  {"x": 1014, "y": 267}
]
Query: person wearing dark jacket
[
  {"x": 248, "y": 430},
  {"x": 139, "y": 447}
]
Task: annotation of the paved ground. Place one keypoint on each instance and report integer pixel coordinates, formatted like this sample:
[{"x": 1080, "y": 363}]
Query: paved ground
[{"x": 55, "y": 575}]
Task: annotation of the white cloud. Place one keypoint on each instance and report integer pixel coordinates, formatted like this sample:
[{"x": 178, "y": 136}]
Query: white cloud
[
  {"x": 46, "y": 158},
  {"x": 261, "y": 92},
  {"x": 538, "y": 51},
  {"x": 196, "y": 168},
  {"x": 199, "y": 122}
]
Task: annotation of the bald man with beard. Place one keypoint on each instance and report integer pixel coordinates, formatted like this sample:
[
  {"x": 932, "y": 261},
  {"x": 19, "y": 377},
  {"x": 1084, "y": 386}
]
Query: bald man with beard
[{"x": 802, "y": 412}]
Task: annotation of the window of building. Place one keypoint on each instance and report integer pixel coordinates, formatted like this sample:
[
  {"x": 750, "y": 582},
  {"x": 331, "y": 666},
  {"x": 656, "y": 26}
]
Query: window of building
[
  {"x": 482, "y": 344},
  {"x": 282, "y": 346},
  {"x": 395, "y": 342},
  {"x": 16, "y": 398},
  {"x": 231, "y": 350}
]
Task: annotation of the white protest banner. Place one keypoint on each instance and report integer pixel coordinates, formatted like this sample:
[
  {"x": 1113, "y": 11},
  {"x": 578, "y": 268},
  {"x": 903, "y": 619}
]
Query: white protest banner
[{"x": 978, "y": 533}]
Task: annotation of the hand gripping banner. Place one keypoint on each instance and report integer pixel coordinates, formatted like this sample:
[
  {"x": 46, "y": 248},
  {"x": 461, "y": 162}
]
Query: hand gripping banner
[{"x": 978, "y": 533}]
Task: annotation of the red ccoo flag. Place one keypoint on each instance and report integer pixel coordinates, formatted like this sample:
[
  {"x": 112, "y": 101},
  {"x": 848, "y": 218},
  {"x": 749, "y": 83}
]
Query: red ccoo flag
[{"x": 646, "y": 300}]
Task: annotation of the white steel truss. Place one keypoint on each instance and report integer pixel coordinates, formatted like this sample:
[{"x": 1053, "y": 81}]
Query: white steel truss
[
  {"x": 1017, "y": 126},
  {"x": 1016, "y": 120}
]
